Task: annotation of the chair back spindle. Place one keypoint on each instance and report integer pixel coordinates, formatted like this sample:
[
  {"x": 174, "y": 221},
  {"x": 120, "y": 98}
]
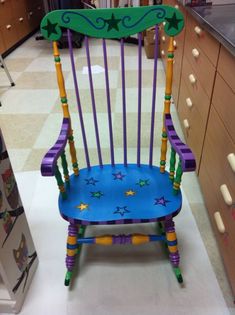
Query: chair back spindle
[
  {"x": 123, "y": 103},
  {"x": 139, "y": 96}
]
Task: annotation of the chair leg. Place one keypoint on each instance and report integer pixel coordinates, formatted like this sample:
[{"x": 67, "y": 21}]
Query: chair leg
[
  {"x": 71, "y": 251},
  {"x": 174, "y": 256}
]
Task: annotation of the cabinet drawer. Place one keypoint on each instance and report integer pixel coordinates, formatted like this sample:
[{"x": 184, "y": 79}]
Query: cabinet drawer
[
  {"x": 22, "y": 26},
  {"x": 9, "y": 33},
  {"x": 18, "y": 8},
  {"x": 2, "y": 44},
  {"x": 203, "y": 39},
  {"x": 226, "y": 67},
  {"x": 5, "y": 12},
  {"x": 224, "y": 102},
  {"x": 196, "y": 92},
  {"x": 202, "y": 66},
  {"x": 226, "y": 241},
  {"x": 195, "y": 132}
]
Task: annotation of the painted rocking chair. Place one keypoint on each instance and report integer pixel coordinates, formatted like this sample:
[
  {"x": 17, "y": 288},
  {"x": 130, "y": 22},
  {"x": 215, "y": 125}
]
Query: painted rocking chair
[{"x": 117, "y": 193}]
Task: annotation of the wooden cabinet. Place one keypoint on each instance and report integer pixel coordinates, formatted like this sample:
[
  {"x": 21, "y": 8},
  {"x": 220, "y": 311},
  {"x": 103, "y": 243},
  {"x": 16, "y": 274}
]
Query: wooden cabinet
[{"x": 18, "y": 18}]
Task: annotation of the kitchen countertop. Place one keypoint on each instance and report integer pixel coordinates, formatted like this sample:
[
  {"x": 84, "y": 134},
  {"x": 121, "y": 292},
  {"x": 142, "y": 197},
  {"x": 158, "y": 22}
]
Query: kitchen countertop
[{"x": 219, "y": 20}]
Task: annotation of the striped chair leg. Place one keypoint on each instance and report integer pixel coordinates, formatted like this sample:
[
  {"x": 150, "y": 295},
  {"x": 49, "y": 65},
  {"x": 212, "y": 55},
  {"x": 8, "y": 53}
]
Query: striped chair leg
[
  {"x": 174, "y": 256},
  {"x": 71, "y": 251}
]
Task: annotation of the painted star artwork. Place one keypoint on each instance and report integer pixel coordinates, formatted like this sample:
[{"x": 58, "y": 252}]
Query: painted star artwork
[
  {"x": 143, "y": 182},
  {"x": 161, "y": 201},
  {"x": 96, "y": 194},
  {"x": 82, "y": 206},
  {"x": 121, "y": 210},
  {"x": 130, "y": 192},
  {"x": 91, "y": 181},
  {"x": 119, "y": 176}
]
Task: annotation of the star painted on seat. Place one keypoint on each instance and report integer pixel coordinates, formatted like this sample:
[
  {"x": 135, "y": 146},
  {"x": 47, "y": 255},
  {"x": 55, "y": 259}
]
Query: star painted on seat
[
  {"x": 82, "y": 206},
  {"x": 91, "y": 181},
  {"x": 113, "y": 23},
  {"x": 173, "y": 22},
  {"x": 143, "y": 182},
  {"x": 119, "y": 176},
  {"x": 50, "y": 28},
  {"x": 121, "y": 210},
  {"x": 130, "y": 192},
  {"x": 161, "y": 201},
  {"x": 96, "y": 194}
]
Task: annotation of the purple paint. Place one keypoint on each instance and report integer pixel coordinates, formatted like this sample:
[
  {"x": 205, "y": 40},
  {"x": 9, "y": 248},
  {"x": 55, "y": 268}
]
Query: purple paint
[
  {"x": 187, "y": 157},
  {"x": 93, "y": 102},
  {"x": 108, "y": 103},
  {"x": 153, "y": 97},
  {"x": 139, "y": 96},
  {"x": 124, "y": 103},
  {"x": 121, "y": 239},
  {"x": 70, "y": 260},
  {"x": 51, "y": 157},
  {"x": 78, "y": 98}
]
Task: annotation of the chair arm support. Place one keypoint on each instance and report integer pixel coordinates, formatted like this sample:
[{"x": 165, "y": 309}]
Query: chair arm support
[
  {"x": 51, "y": 157},
  {"x": 187, "y": 157}
]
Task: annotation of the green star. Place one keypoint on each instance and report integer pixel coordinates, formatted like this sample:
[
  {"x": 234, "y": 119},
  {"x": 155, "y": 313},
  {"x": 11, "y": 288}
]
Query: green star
[
  {"x": 143, "y": 182},
  {"x": 96, "y": 194},
  {"x": 50, "y": 28},
  {"x": 113, "y": 23},
  {"x": 173, "y": 22}
]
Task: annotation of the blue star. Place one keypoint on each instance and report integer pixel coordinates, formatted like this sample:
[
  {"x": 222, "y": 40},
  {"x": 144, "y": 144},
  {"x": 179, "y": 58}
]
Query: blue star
[
  {"x": 91, "y": 181},
  {"x": 161, "y": 201},
  {"x": 119, "y": 176},
  {"x": 121, "y": 210}
]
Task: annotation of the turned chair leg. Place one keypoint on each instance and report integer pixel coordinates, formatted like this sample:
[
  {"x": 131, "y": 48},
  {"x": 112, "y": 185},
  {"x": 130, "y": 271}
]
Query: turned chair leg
[
  {"x": 174, "y": 256},
  {"x": 71, "y": 251}
]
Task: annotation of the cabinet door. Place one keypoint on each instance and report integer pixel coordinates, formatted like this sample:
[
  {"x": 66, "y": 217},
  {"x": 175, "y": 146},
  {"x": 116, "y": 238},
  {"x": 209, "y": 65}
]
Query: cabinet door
[
  {"x": 9, "y": 33},
  {"x": 5, "y": 12}
]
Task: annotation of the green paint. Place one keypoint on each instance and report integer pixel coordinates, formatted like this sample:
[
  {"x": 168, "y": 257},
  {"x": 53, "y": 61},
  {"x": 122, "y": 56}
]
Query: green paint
[
  {"x": 57, "y": 59},
  {"x": 64, "y": 100},
  {"x": 112, "y": 23},
  {"x": 59, "y": 180},
  {"x": 170, "y": 55},
  {"x": 178, "y": 274},
  {"x": 172, "y": 162},
  {"x": 162, "y": 163},
  {"x": 68, "y": 277},
  {"x": 65, "y": 167},
  {"x": 178, "y": 177},
  {"x": 164, "y": 135},
  {"x": 168, "y": 97}
]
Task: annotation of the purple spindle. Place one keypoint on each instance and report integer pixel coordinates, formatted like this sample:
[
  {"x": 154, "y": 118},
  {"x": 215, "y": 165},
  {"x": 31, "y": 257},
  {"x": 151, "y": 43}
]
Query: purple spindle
[
  {"x": 139, "y": 96},
  {"x": 153, "y": 97},
  {"x": 108, "y": 102},
  {"x": 78, "y": 99},
  {"x": 93, "y": 102},
  {"x": 124, "y": 103}
]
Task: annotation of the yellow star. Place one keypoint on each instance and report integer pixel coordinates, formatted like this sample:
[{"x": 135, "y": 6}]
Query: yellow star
[
  {"x": 130, "y": 192},
  {"x": 82, "y": 206}
]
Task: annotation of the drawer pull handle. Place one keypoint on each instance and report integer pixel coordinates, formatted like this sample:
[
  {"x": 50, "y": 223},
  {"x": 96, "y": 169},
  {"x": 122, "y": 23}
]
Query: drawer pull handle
[
  {"x": 164, "y": 23},
  {"x": 219, "y": 222},
  {"x": 8, "y": 26},
  {"x": 189, "y": 102},
  {"x": 198, "y": 30},
  {"x": 231, "y": 160},
  {"x": 174, "y": 43},
  {"x": 2, "y": 1},
  {"x": 30, "y": 13},
  {"x": 163, "y": 39},
  {"x": 21, "y": 19},
  {"x": 186, "y": 124},
  {"x": 176, "y": 6},
  {"x": 192, "y": 79},
  {"x": 39, "y": 8},
  {"x": 226, "y": 195},
  {"x": 195, "y": 53},
  {"x": 163, "y": 53}
]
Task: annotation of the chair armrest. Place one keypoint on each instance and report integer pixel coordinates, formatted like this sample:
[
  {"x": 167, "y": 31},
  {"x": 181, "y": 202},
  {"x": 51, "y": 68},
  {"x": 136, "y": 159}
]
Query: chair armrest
[
  {"x": 51, "y": 157},
  {"x": 187, "y": 157}
]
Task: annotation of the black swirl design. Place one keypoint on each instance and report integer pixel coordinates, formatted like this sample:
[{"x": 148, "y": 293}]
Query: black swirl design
[
  {"x": 160, "y": 14},
  {"x": 66, "y": 18}
]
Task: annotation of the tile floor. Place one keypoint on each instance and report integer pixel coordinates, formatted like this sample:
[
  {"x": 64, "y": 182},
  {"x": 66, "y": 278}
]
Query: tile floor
[{"x": 30, "y": 118}]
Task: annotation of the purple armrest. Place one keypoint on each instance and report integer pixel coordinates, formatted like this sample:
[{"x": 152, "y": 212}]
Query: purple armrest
[
  {"x": 50, "y": 158},
  {"x": 187, "y": 157}
]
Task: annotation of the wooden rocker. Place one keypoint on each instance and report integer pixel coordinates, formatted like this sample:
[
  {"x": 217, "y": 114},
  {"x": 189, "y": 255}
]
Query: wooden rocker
[{"x": 117, "y": 193}]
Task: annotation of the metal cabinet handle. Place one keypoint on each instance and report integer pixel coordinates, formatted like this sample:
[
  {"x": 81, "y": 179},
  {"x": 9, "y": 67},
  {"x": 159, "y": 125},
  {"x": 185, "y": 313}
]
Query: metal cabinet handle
[
  {"x": 189, "y": 102},
  {"x": 21, "y": 19},
  {"x": 226, "y": 195},
  {"x": 192, "y": 79},
  {"x": 198, "y": 30},
  {"x": 2, "y": 1},
  {"x": 163, "y": 39},
  {"x": 186, "y": 124},
  {"x": 219, "y": 222},
  {"x": 162, "y": 52},
  {"x": 8, "y": 26},
  {"x": 174, "y": 43},
  {"x": 176, "y": 6},
  {"x": 31, "y": 13},
  {"x": 231, "y": 160},
  {"x": 195, "y": 53}
]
